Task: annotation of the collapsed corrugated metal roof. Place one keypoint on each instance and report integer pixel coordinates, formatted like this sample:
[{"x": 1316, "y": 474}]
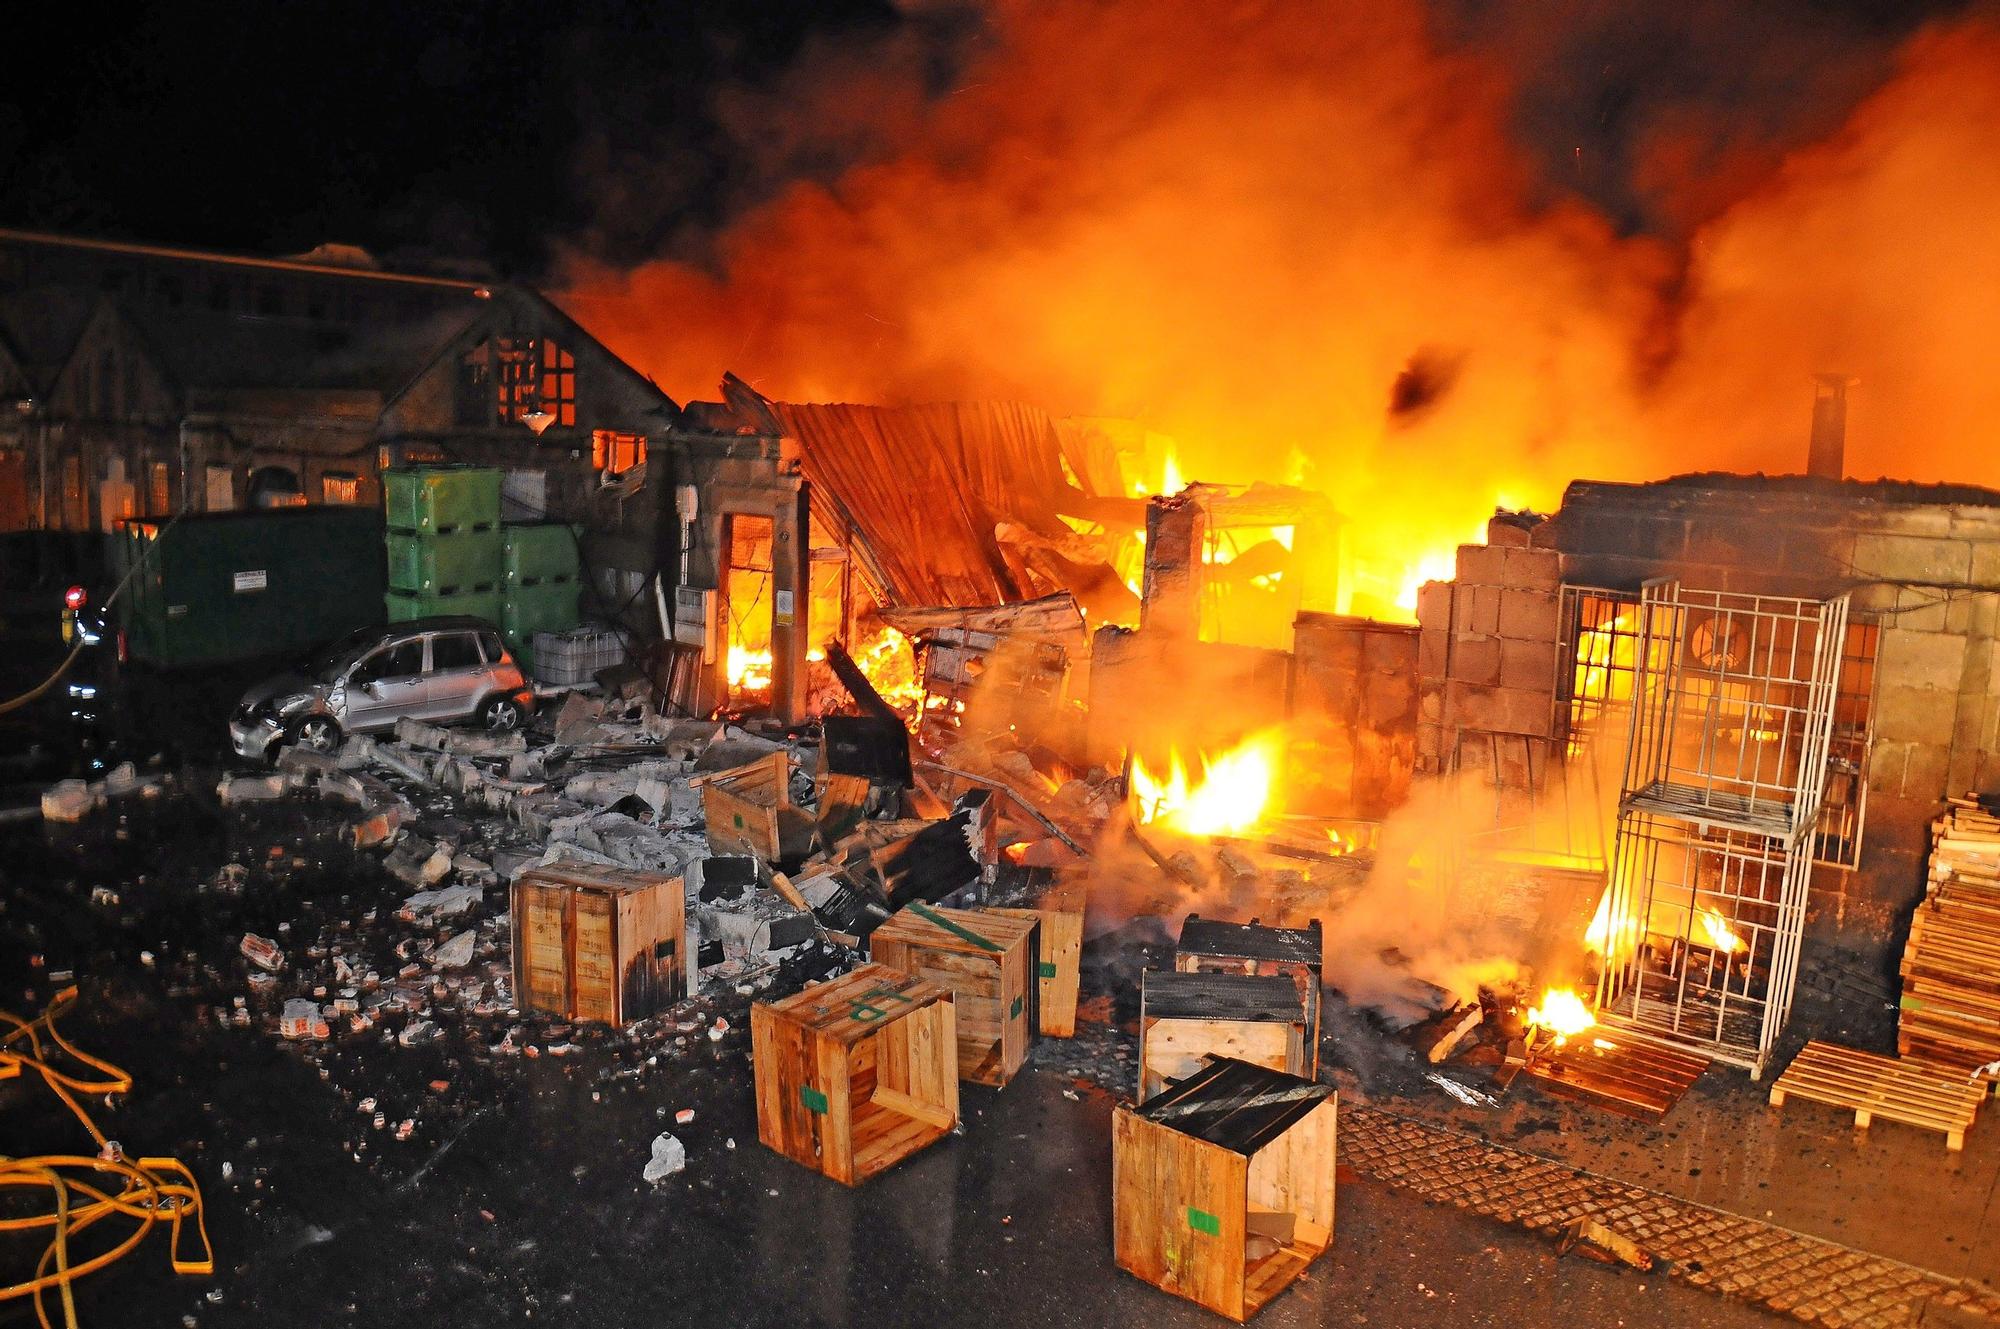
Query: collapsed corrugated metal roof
[{"x": 928, "y": 489}]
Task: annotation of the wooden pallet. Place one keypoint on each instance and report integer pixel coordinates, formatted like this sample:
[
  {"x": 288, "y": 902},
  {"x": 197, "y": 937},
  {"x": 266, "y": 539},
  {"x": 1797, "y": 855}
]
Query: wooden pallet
[
  {"x": 1622, "y": 1075},
  {"x": 1950, "y": 1008},
  {"x": 1916, "y": 1093}
]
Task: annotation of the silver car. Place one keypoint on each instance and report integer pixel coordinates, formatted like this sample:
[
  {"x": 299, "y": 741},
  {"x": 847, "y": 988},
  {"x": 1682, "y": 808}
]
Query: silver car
[{"x": 440, "y": 670}]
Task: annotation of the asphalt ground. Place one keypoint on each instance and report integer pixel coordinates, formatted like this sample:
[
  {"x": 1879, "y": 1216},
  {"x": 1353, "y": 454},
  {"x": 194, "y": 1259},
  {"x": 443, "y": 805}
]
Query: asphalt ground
[{"x": 518, "y": 1197}]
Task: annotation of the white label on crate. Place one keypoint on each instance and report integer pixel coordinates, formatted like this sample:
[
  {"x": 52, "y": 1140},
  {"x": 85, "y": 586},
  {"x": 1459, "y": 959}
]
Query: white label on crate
[
  {"x": 781, "y": 608},
  {"x": 249, "y": 581}
]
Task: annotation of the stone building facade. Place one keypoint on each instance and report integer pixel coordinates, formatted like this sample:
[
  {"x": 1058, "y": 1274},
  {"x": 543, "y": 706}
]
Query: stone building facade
[
  {"x": 145, "y": 381},
  {"x": 1920, "y": 565}
]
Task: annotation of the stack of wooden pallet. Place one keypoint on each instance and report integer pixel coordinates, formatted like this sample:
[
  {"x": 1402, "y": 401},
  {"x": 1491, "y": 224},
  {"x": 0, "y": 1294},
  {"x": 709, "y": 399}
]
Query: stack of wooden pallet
[{"x": 1951, "y": 965}]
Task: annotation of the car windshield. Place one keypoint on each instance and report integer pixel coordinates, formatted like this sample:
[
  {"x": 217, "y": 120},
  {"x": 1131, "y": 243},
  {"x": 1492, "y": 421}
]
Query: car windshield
[{"x": 325, "y": 665}]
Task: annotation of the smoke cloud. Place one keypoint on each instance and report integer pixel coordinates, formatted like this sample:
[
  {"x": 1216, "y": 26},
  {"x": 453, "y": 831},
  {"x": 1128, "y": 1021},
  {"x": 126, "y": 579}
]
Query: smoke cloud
[{"x": 1337, "y": 245}]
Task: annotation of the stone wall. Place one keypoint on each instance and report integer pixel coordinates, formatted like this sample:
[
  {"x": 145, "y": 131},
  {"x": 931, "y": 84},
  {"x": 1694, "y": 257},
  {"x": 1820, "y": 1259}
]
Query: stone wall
[{"x": 1922, "y": 563}]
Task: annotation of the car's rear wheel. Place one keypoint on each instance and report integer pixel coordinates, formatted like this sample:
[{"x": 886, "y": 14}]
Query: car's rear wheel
[
  {"x": 502, "y": 715},
  {"x": 315, "y": 733}
]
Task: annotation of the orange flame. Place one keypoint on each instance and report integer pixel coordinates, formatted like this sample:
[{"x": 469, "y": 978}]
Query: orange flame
[
  {"x": 1231, "y": 795},
  {"x": 1562, "y": 1012},
  {"x": 1717, "y": 931},
  {"x": 1133, "y": 235},
  {"x": 1605, "y": 937},
  {"x": 749, "y": 670},
  {"x": 889, "y": 661}
]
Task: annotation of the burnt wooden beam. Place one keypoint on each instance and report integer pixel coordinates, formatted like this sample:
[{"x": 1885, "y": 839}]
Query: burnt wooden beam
[{"x": 857, "y": 684}]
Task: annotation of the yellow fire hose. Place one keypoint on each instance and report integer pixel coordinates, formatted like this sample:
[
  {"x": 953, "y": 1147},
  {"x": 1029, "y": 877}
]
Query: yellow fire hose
[{"x": 84, "y": 1191}]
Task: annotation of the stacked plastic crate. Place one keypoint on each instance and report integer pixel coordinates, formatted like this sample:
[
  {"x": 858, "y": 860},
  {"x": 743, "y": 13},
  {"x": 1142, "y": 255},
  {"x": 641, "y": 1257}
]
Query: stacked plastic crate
[
  {"x": 539, "y": 567},
  {"x": 444, "y": 541}
]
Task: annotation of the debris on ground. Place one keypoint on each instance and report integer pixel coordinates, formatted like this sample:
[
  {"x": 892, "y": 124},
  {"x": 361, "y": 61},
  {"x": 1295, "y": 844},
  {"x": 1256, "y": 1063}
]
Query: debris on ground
[
  {"x": 669, "y": 1157},
  {"x": 1588, "y": 1237}
]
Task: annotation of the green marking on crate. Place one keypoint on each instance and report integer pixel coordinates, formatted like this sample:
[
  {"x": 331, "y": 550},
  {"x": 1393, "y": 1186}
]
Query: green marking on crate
[
  {"x": 814, "y": 1100},
  {"x": 1014, "y": 1012},
  {"x": 924, "y": 911},
  {"x": 738, "y": 819},
  {"x": 1912, "y": 1004},
  {"x": 1046, "y": 969},
  {"x": 861, "y": 1009},
  {"x": 1203, "y": 1221}
]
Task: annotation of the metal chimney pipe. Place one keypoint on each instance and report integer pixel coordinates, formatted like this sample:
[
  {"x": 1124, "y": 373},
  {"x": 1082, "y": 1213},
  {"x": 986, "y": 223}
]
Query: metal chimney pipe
[{"x": 1826, "y": 457}]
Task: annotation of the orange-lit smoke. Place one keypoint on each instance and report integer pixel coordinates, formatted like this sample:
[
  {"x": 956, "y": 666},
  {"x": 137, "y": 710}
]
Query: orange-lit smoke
[
  {"x": 1869, "y": 254},
  {"x": 1298, "y": 239}
]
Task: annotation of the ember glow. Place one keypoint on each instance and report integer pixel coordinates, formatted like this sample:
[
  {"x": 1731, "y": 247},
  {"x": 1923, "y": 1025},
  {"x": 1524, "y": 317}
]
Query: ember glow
[
  {"x": 1561, "y": 1012},
  {"x": 1227, "y": 794}
]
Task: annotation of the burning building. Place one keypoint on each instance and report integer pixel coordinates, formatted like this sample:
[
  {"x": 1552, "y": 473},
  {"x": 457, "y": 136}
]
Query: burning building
[
  {"x": 1783, "y": 678},
  {"x": 809, "y": 521}
]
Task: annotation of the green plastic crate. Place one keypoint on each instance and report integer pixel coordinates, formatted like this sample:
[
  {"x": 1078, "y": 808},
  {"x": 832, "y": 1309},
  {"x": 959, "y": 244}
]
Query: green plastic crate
[
  {"x": 434, "y": 500},
  {"x": 537, "y": 552},
  {"x": 405, "y": 605},
  {"x": 437, "y": 564},
  {"x": 550, "y": 606}
]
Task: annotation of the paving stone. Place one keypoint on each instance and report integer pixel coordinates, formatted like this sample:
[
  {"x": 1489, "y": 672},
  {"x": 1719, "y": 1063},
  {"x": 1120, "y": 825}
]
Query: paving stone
[{"x": 1812, "y": 1281}]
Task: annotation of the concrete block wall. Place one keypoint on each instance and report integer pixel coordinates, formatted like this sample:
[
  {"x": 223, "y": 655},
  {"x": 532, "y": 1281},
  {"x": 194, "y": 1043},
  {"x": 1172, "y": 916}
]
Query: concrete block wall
[
  {"x": 1921, "y": 562},
  {"x": 1355, "y": 699},
  {"x": 1489, "y": 646}
]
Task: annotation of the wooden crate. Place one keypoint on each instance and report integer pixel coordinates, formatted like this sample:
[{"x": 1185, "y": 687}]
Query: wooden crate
[
  {"x": 1184, "y": 1018},
  {"x": 1058, "y": 914},
  {"x": 856, "y": 1074},
  {"x": 598, "y": 943},
  {"x": 985, "y": 959},
  {"x": 1231, "y": 1151},
  {"x": 1211, "y": 946},
  {"x": 749, "y": 809},
  {"x": 1916, "y": 1093}
]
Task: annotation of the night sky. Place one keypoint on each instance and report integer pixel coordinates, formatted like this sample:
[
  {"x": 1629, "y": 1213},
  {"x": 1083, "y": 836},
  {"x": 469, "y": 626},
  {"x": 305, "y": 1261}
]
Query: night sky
[
  {"x": 492, "y": 130},
  {"x": 459, "y": 127}
]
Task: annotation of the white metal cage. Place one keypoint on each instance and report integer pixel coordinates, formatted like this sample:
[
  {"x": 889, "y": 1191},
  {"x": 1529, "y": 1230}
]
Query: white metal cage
[{"x": 1724, "y": 778}]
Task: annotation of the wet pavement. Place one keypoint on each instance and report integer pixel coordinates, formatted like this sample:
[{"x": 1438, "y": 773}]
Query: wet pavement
[
  {"x": 518, "y": 1196},
  {"x": 531, "y": 1210},
  {"x": 1892, "y": 1189}
]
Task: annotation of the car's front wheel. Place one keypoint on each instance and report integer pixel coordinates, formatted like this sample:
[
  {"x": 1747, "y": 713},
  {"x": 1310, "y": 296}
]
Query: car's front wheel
[
  {"x": 502, "y": 715},
  {"x": 315, "y": 733}
]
